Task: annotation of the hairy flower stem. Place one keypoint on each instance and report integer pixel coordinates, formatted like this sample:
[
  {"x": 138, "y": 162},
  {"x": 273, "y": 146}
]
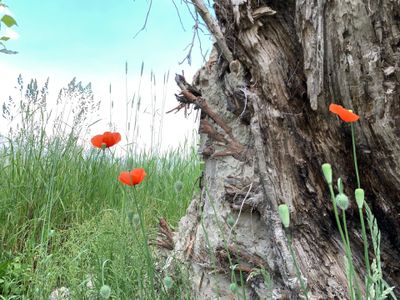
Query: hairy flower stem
[
  {"x": 335, "y": 211},
  {"x": 353, "y": 140},
  {"x": 146, "y": 246},
  {"x": 102, "y": 271},
  {"x": 366, "y": 256},
  {"x": 343, "y": 237},
  {"x": 296, "y": 266},
  {"x": 363, "y": 231},
  {"x": 350, "y": 260}
]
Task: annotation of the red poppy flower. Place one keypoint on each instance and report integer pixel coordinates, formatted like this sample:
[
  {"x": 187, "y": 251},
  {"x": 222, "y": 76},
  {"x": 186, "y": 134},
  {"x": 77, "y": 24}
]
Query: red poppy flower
[
  {"x": 343, "y": 113},
  {"x": 106, "y": 140},
  {"x": 133, "y": 177}
]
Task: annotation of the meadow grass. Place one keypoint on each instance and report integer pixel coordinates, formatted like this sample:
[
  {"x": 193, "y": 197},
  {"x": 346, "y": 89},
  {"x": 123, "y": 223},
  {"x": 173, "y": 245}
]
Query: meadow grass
[{"x": 67, "y": 221}]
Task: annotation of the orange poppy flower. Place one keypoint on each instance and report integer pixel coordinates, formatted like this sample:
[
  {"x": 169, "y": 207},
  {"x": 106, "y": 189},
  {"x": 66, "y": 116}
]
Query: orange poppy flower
[
  {"x": 343, "y": 113},
  {"x": 106, "y": 140},
  {"x": 133, "y": 177}
]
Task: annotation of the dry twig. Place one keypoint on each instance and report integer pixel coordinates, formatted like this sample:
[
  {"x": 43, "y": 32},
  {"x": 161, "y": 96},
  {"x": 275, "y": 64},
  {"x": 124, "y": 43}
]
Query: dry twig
[{"x": 214, "y": 29}]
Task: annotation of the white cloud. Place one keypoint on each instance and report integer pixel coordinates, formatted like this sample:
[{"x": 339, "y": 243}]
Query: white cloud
[
  {"x": 9, "y": 33},
  {"x": 4, "y": 11},
  {"x": 170, "y": 130}
]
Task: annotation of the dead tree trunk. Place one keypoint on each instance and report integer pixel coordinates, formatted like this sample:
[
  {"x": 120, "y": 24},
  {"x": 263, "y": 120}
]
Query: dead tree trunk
[{"x": 266, "y": 130}]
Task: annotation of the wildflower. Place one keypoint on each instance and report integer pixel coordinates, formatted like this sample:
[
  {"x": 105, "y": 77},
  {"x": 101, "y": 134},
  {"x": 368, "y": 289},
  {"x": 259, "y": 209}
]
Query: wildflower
[
  {"x": 106, "y": 140},
  {"x": 133, "y": 177},
  {"x": 343, "y": 113}
]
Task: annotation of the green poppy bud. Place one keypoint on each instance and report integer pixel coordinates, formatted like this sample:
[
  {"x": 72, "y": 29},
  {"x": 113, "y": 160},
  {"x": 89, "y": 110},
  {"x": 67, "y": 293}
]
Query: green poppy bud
[
  {"x": 168, "y": 282},
  {"x": 342, "y": 201},
  {"x": 230, "y": 221},
  {"x": 130, "y": 216},
  {"x": 359, "y": 194},
  {"x": 284, "y": 215},
  {"x": 178, "y": 186},
  {"x": 233, "y": 287},
  {"x": 103, "y": 146},
  {"x": 133, "y": 218},
  {"x": 105, "y": 292},
  {"x": 340, "y": 185},
  {"x": 327, "y": 170}
]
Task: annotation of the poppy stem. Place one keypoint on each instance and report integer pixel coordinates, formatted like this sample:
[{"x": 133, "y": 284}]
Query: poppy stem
[
  {"x": 146, "y": 243},
  {"x": 336, "y": 213},
  {"x": 296, "y": 265},
  {"x": 353, "y": 140},
  {"x": 345, "y": 240},
  {"x": 366, "y": 256},
  {"x": 353, "y": 288},
  {"x": 102, "y": 270}
]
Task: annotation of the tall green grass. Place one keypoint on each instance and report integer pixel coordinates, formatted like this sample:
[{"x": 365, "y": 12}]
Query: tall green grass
[
  {"x": 66, "y": 221},
  {"x": 63, "y": 213}
]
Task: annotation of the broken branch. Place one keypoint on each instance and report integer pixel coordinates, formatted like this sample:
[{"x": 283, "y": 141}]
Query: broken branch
[{"x": 214, "y": 29}]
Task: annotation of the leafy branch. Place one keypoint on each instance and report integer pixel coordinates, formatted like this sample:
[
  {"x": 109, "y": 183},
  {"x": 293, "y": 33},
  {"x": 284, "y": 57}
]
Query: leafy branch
[{"x": 8, "y": 21}]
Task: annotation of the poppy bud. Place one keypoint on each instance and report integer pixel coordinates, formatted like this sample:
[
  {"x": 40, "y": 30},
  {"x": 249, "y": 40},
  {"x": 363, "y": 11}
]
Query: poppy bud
[
  {"x": 103, "y": 146},
  {"x": 327, "y": 170},
  {"x": 340, "y": 185},
  {"x": 230, "y": 221},
  {"x": 135, "y": 219},
  {"x": 284, "y": 215},
  {"x": 105, "y": 292},
  {"x": 233, "y": 287},
  {"x": 359, "y": 194},
  {"x": 178, "y": 186},
  {"x": 342, "y": 201},
  {"x": 168, "y": 282}
]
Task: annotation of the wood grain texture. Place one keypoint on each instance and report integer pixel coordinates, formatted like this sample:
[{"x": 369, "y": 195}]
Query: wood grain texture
[{"x": 289, "y": 66}]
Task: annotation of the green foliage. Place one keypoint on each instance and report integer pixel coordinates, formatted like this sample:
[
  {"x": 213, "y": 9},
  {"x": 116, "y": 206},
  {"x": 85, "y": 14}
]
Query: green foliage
[
  {"x": 63, "y": 211},
  {"x": 70, "y": 209},
  {"x": 8, "y": 21},
  {"x": 379, "y": 289},
  {"x": 375, "y": 286},
  {"x": 15, "y": 276}
]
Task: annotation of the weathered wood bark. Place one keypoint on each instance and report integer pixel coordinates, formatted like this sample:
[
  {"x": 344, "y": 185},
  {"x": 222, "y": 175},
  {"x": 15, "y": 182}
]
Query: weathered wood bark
[{"x": 266, "y": 130}]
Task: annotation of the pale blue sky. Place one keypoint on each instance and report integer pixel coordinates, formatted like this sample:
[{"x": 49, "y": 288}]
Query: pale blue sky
[
  {"x": 92, "y": 40},
  {"x": 78, "y": 35}
]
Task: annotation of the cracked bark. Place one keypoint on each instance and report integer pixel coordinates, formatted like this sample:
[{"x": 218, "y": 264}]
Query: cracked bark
[{"x": 290, "y": 60}]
